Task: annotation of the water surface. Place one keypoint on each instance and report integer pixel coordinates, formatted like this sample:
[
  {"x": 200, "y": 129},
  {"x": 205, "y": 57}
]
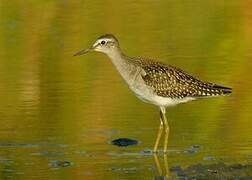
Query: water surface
[{"x": 58, "y": 113}]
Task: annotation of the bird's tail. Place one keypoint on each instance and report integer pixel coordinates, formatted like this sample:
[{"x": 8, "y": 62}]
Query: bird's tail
[
  {"x": 222, "y": 90},
  {"x": 212, "y": 90}
]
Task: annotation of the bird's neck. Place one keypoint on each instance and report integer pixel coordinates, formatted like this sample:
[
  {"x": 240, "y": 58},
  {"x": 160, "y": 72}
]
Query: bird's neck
[
  {"x": 120, "y": 61},
  {"x": 118, "y": 58}
]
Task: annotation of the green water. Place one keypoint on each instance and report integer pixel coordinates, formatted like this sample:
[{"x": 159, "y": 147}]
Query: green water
[{"x": 56, "y": 107}]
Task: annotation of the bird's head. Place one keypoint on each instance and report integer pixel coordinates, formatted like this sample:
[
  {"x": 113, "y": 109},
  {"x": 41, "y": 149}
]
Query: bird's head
[{"x": 106, "y": 44}]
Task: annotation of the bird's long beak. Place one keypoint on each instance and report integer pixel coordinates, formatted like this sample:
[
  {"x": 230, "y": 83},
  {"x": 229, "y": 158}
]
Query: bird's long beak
[{"x": 83, "y": 52}]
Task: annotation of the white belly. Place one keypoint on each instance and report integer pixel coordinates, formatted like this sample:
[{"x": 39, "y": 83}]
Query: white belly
[{"x": 161, "y": 101}]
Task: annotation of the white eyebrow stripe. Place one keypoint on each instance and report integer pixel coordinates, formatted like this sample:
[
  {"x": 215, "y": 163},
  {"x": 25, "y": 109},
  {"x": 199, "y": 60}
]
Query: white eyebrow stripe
[
  {"x": 104, "y": 39},
  {"x": 100, "y": 40}
]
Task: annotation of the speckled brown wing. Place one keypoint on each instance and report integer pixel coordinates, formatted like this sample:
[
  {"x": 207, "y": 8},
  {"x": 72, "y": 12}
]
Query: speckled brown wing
[{"x": 169, "y": 81}]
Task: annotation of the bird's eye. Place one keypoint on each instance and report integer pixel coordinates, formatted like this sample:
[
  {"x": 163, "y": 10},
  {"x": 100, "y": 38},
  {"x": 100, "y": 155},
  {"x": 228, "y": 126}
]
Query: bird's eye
[{"x": 103, "y": 42}]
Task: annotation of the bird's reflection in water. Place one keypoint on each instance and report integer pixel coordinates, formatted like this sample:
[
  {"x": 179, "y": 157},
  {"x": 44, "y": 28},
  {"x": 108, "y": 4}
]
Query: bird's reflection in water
[{"x": 162, "y": 168}]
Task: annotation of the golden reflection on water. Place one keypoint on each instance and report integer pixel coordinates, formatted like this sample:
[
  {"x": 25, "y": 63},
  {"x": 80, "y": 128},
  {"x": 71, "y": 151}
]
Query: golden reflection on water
[
  {"x": 161, "y": 172},
  {"x": 56, "y": 107}
]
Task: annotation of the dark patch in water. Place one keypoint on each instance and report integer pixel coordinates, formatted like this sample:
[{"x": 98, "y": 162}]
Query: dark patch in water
[
  {"x": 146, "y": 152},
  {"x": 59, "y": 164},
  {"x": 123, "y": 142},
  {"x": 193, "y": 149},
  {"x": 214, "y": 171}
]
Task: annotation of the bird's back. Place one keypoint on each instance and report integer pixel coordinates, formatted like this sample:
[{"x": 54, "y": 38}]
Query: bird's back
[{"x": 169, "y": 81}]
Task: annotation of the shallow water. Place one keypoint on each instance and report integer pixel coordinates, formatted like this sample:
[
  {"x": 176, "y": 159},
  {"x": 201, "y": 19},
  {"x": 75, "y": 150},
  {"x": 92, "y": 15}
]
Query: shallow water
[{"x": 59, "y": 113}]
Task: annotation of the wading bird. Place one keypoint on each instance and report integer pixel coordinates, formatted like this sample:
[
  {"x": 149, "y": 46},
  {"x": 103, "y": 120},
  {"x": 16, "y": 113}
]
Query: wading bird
[{"x": 154, "y": 82}]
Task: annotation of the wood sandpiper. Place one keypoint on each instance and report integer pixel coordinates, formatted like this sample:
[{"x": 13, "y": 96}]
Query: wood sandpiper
[{"x": 154, "y": 82}]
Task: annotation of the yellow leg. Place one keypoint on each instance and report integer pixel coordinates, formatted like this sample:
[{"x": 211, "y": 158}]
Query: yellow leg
[
  {"x": 160, "y": 131},
  {"x": 166, "y": 126}
]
